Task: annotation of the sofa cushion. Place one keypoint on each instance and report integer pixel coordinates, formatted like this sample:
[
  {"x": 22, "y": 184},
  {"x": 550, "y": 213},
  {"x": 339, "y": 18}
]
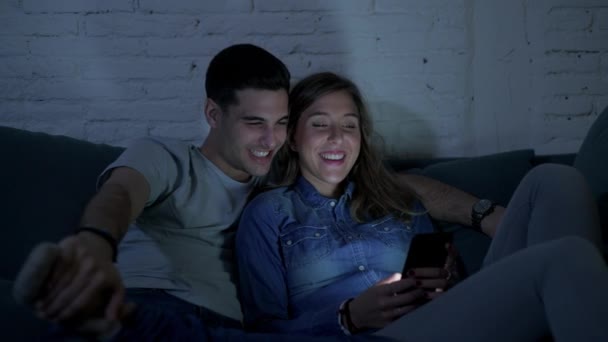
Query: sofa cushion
[
  {"x": 493, "y": 176},
  {"x": 44, "y": 188}
]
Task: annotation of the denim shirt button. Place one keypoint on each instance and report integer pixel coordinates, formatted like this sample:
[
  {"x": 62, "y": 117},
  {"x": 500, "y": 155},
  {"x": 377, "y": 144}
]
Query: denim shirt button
[
  {"x": 332, "y": 204},
  {"x": 386, "y": 229},
  {"x": 361, "y": 268},
  {"x": 350, "y": 237},
  {"x": 289, "y": 242},
  {"x": 408, "y": 227},
  {"x": 317, "y": 234}
]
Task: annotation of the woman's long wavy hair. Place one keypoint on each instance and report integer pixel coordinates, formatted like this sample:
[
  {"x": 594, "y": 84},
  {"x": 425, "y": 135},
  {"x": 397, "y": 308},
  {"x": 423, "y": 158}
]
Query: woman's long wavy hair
[{"x": 376, "y": 193}]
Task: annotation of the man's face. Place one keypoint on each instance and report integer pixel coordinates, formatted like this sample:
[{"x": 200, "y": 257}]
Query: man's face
[{"x": 252, "y": 131}]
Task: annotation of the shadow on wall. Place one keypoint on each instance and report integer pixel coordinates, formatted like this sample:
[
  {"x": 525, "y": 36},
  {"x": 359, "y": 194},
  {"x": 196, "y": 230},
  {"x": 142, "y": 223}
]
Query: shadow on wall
[{"x": 416, "y": 138}]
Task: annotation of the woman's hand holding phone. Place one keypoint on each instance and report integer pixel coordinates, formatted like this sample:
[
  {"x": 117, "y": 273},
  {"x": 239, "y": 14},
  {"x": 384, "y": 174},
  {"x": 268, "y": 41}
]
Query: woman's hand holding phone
[
  {"x": 431, "y": 260},
  {"x": 386, "y": 301}
]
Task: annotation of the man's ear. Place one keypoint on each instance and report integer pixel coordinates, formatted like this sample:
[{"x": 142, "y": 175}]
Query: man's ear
[{"x": 212, "y": 112}]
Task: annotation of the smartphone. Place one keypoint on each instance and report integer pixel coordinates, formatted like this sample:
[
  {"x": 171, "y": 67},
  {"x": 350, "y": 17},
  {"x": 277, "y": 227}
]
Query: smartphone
[{"x": 428, "y": 250}]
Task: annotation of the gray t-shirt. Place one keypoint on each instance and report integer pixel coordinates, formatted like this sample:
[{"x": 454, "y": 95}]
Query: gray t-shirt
[{"x": 183, "y": 241}]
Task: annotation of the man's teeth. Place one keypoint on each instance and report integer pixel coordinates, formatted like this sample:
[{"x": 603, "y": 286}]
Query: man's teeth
[
  {"x": 260, "y": 154},
  {"x": 333, "y": 156}
]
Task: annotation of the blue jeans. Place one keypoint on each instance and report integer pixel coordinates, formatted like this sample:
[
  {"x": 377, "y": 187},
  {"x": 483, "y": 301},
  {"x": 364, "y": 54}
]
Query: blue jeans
[{"x": 162, "y": 317}]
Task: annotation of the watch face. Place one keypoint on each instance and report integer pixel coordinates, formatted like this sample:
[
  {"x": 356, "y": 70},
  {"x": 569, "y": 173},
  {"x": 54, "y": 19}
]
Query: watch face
[{"x": 482, "y": 206}]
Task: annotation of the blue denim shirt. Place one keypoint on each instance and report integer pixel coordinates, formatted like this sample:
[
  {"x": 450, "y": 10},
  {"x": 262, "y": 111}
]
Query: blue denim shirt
[{"x": 300, "y": 255}]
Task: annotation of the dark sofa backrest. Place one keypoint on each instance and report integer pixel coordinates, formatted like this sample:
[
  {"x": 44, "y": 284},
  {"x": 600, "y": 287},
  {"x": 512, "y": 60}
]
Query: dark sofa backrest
[{"x": 45, "y": 181}]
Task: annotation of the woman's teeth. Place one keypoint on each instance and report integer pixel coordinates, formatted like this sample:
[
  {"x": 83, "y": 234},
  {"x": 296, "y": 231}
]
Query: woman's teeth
[
  {"x": 333, "y": 156},
  {"x": 260, "y": 154}
]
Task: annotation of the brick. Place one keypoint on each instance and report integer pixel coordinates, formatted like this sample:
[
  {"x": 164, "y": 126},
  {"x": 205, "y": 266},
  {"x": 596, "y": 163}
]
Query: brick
[
  {"x": 10, "y": 6},
  {"x": 37, "y": 68},
  {"x": 568, "y": 19},
  {"x": 195, "y": 6},
  {"x": 321, "y": 44},
  {"x": 174, "y": 110},
  {"x": 188, "y": 131},
  {"x": 583, "y": 41},
  {"x": 13, "y": 89},
  {"x": 70, "y": 128},
  {"x": 81, "y": 90},
  {"x": 118, "y": 133},
  {"x": 13, "y": 46},
  {"x": 415, "y": 42},
  {"x": 38, "y": 25},
  {"x": 262, "y": 23},
  {"x": 79, "y": 47},
  {"x": 135, "y": 68},
  {"x": 564, "y": 62},
  {"x": 601, "y": 18},
  {"x": 413, "y": 6},
  {"x": 12, "y": 111},
  {"x": 600, "y": 103},
  {"x": 76, "y": 6},
  {"x": 374, "y": 25},
  {"x": 192, "y": 89},
  {"x": 141, "y": 25},
  {"x": 185, "y": 47},
  {"x": 572, "y": 84},
  {"x": 54, "y": 110},
  {"x": 558, "y": 108},
  {"x": 342, "y": 6}
]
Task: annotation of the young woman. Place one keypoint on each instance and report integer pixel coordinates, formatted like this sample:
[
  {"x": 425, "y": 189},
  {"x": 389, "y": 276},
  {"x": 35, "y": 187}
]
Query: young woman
[{"x": 322, "y": 254}]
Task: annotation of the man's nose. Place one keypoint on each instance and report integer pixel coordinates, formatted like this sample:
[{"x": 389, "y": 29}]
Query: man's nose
[{"x": 268, "y": 138}]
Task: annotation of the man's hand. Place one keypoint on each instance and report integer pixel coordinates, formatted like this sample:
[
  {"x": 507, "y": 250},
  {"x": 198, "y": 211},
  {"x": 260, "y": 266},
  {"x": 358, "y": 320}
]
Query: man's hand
[
  {"x": 84, "y": 284},
  {"x": 386, "y": 301}
]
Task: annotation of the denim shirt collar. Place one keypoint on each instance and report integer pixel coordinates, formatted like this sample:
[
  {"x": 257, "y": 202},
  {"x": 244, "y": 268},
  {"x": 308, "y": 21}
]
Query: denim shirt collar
[{"x": 312, "y": 197}]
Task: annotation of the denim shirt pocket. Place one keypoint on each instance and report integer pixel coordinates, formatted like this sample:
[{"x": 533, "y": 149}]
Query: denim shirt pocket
[
  {"x": 393, "y": 232},
  {"x": 303, "y": 245}
]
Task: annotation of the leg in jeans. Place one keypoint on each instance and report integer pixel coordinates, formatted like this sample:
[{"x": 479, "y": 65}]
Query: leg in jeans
[
  {"x": 552, "y": 201},
  {"x": 556, "y": 287}
]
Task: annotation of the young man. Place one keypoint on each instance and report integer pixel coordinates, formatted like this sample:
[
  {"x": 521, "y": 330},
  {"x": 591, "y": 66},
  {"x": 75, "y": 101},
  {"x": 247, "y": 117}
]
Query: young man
[{"x": 167, "y": 208}]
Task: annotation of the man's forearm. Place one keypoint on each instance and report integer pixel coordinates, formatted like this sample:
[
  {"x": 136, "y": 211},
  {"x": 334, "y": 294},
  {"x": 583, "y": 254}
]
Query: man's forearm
[
  {"x": 447, "y": 203},
  {"x": 110, "y": 209}
]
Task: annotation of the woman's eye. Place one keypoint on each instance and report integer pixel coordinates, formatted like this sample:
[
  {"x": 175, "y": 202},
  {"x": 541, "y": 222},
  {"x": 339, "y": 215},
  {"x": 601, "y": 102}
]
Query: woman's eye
[{"x": 318, "y": 124}]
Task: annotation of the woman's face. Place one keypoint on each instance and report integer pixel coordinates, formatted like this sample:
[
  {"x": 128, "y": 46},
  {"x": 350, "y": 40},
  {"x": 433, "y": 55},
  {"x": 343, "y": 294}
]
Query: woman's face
[{"x": 328, "y": 139}]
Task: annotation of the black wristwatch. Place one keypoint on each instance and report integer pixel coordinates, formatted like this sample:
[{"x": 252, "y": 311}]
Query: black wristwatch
[{"x": 481, "y": 209}]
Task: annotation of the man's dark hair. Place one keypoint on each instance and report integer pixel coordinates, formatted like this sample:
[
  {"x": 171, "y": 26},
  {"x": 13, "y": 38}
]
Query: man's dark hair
[{"x": 240, "y": 67}]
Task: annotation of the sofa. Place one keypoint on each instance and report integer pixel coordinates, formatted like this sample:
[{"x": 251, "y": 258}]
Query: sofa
[{"x": 46, "y": 181}]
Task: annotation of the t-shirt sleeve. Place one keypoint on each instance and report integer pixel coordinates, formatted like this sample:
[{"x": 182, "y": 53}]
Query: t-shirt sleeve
[{"x": 153, "y": 160}]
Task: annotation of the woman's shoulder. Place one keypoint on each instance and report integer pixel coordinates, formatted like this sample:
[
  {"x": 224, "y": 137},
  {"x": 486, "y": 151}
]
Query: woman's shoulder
[{"x": 273, "y": 198}]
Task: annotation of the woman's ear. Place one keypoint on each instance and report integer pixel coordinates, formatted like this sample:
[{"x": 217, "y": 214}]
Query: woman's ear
[{"x": 212, "y": 112}]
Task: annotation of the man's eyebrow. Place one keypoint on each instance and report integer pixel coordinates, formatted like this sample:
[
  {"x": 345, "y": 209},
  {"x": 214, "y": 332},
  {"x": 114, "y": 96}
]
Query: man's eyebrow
[{"x": 253, "y": 118}]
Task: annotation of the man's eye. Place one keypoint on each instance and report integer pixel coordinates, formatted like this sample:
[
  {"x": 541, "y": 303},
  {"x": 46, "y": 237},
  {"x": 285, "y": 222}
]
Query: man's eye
[
  {"x": 350, "y": 126},
  {"x": 254, "y": 123},
  {"x": 318, "y": 124}
]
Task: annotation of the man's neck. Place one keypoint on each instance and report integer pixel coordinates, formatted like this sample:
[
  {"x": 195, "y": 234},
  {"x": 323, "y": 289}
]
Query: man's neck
[{"x": 211, "y": 152}]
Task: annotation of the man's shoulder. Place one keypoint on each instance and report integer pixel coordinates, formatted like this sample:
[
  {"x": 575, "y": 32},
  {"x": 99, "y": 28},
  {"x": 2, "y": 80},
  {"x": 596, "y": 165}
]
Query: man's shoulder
[{"x": 163, "y": 143}]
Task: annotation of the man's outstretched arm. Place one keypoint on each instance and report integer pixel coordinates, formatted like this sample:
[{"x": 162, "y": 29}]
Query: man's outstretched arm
[
  {"x": 447, "y": 203},
  {"x": 85, "y": 280}
]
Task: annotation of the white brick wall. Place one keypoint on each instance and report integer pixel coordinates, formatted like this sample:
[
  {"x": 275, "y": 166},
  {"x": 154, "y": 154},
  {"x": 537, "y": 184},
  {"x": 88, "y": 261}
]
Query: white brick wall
[{"x": 443, "y": 77}]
